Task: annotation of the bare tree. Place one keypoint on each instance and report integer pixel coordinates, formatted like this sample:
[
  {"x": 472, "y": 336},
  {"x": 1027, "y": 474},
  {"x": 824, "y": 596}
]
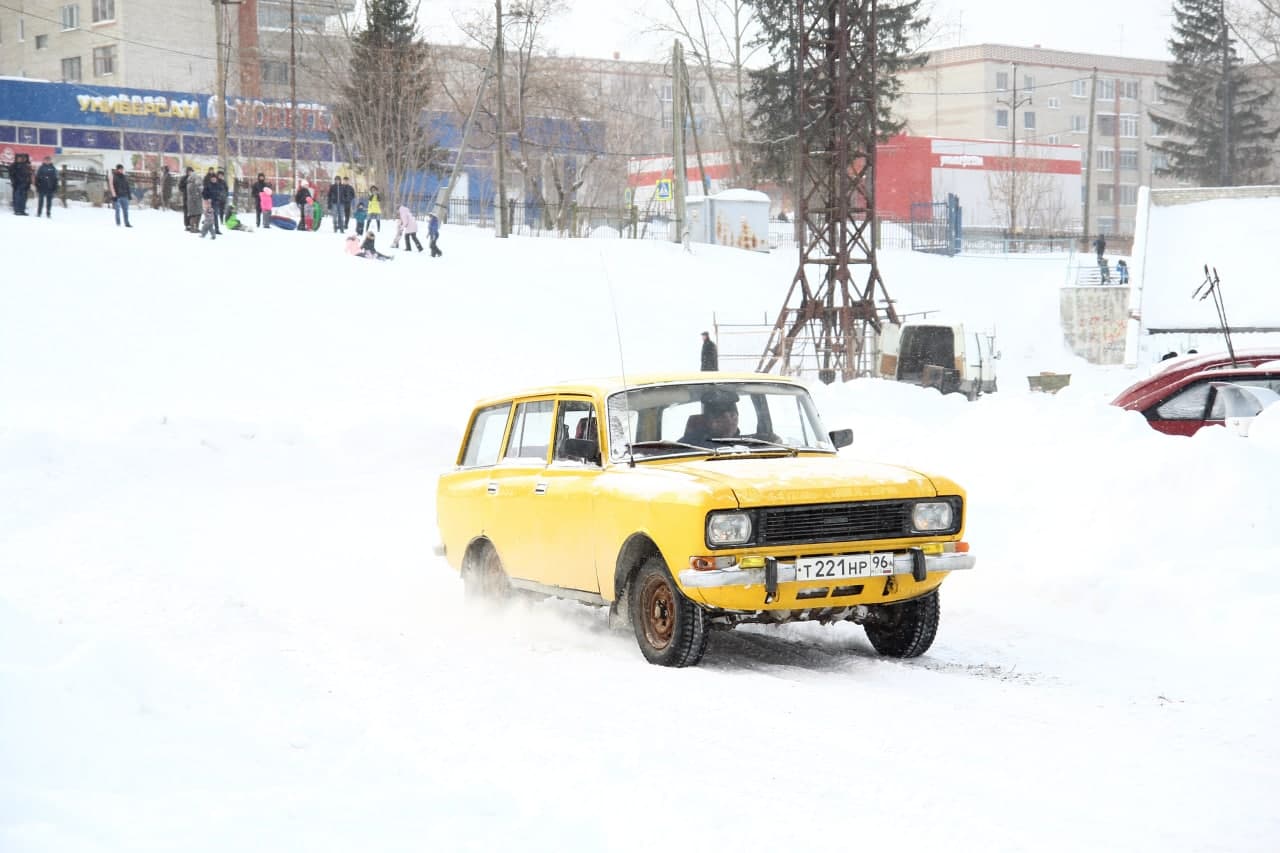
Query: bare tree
[{"x": 1029, "y": 196}]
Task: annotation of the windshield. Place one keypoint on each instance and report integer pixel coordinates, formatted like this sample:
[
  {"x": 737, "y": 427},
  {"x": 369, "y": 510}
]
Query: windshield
[{"x": 713, "y": 417}]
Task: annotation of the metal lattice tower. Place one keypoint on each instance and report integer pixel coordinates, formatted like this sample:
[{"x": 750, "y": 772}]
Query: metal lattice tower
[{"x": 830, "y": 320}]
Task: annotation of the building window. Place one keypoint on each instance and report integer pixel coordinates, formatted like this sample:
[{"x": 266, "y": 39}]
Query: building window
[
  {"x": 1106, "y": 125},
  {"x": 1158, "y": 94},
  {"x": 104, "y": 10},
  {"x": 1002, "y": 81},
  {"x": 1053, "y": 139},
  {"x": 1028, "y": 82},
  {"x": 1078, "y": 124},
  {"x": 1130, "y": 89},
  {"x": 698, "y": 95},
  {"x": 1028, "y": 120},
  {"x": 104, "y": 61},
  {"x": 1129, "y": 126},
  {"x": 42, "y": 42},
  {"x": 275, "y": 72},
  {"x": 1106, "y": 225},
  {"x": 1002, "y": 118},
  {"x": 1079, "y": 88},
  {"x": 71, "y": 69},
  {"x": 1104, "y": 192},
  {"x": 1054, "y": 104},
  {"x": 1159, "y": 161},
  {"x": 1128, "y": 193},
  {"x": 1106, "y": 90},
  {"x": 1106, "y": 160},
  {"x": 1129, "y": 160},
  {"x": 1159, "y": 127},
  {"x": 71, "y": 17}
]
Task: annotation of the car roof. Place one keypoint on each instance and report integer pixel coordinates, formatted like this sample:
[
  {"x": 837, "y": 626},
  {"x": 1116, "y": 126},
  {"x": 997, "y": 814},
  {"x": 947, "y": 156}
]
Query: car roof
[
  {"x": 604, "y": 386},
  {"x": 1174, "y": 370}
]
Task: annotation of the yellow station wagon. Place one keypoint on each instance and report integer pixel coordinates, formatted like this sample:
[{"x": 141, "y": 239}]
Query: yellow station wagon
[{"x": 691, "y": 502}]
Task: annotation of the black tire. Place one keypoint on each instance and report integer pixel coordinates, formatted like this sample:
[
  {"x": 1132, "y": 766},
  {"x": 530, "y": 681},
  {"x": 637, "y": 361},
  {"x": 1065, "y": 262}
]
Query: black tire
[
  {"x": 905, "y": 630},
  {"x": 483, "y": 578},
  {"x": 670, "y": 629}
]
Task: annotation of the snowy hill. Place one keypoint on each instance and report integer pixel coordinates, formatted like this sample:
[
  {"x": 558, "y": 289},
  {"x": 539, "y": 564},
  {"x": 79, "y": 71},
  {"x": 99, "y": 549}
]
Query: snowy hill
[{"x": 222, "y": 626}]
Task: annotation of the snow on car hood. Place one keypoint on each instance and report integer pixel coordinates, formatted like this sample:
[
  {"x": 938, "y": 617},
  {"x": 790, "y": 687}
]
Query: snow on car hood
[{"x": 759, "y": 481}]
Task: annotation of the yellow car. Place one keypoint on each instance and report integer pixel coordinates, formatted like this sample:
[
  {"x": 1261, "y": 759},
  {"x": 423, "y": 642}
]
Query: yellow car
[{"x": 697, "y": 501}]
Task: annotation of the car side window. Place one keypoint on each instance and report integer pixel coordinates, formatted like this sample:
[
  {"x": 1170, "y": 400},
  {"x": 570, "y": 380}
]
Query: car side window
[
  {"x": 1219, "y": 410},
  {"x": 485, "y": 439},
  {"x": 577, "y": 431},
  {"x": 530, "y": 431},
  {"x": 1187, "y": 405}
]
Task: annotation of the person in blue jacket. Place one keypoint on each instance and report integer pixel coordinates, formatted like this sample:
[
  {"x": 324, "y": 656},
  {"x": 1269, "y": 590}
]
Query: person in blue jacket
[
  {"x": 433, "y": 234},
  {"x": 46, "y": 184}
]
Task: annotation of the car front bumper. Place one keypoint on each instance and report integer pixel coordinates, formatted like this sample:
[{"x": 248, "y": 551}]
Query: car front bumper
[{"x": 903, "y": 564}]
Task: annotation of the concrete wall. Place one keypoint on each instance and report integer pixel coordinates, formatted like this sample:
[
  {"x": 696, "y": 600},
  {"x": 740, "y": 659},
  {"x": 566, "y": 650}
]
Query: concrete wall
[{"x": 1095, "y": 321}]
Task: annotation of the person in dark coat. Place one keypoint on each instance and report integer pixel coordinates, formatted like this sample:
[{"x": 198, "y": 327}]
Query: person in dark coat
[
  {"x": 335, "y": 203},
  {"x": 256, "y": 191},
  {"x": 433, "y": 234},
  {"x": 1100, "y": 247},
  {"x": 166, "y": 187},
  {"x": 346, "y": 199},
  {"x": 120, "y": 192},
  {"x": 216, "y": 192},
  {"x": 710, "y": 355},
  {"x": 192, "y": 200},
  {"x": 20, "y": 179},
  {"x": 302, "y": 198},
  {"x": 220, "y": 203},
  {"x": 46, "y": 184}
]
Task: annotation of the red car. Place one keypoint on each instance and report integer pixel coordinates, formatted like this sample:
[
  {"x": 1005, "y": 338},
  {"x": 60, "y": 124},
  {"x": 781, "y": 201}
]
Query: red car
[{"x": 1180, "y": 398}]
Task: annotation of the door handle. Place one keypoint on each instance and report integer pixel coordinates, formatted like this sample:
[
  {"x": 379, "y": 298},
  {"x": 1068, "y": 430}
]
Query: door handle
[
  {"x": 540, "y": 488},
  {"x": 492, "y": 488}
]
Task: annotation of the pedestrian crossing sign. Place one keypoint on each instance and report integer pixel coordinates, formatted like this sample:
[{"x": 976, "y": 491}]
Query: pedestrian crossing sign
[{"x": 663, "y": 189}]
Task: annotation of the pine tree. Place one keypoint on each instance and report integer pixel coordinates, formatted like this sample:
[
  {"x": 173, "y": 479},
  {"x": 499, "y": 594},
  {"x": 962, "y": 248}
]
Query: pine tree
[
  {"x": 381, "y": 110},
  {"x": 1193, "y": 114},
  {"x": 773, "y": 95}
]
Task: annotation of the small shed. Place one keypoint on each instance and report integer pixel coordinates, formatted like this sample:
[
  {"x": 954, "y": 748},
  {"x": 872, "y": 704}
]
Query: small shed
[{"x": 731, "y": 218}]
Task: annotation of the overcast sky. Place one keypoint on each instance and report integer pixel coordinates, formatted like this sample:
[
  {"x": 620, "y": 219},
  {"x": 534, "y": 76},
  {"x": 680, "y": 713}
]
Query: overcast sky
[{"x": 599, "y": 28}]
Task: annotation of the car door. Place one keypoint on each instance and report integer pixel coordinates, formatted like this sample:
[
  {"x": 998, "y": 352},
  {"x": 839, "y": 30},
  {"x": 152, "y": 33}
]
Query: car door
[
  {"x": 463, "y": 504},
  {"x": 565, "y": 499},
  {"x": 514, "y": 524}
]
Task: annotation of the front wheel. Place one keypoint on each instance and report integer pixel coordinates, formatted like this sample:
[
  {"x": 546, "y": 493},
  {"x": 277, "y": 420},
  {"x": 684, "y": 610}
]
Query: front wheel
[
  {"x": 907, "y": 629},
  {"x": 670, "y": 629}
]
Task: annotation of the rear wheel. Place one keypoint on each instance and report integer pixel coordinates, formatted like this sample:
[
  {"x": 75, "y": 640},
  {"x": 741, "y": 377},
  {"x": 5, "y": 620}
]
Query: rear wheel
[
  {"x": 907, "y": 629},
  {"x": 483, "y": 578},
  {"x": 670, "y": 629}
]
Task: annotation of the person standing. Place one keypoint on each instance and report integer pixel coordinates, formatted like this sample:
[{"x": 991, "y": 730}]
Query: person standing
[
  {"x": 1100, "y": 247},
  {"x": 216, "y": 192},
  {"x": 433, "y": 234},
  {"x": 334, "y": 201},
  {"x": 266, "y": 202},
  {"x": 375, "y": 209},
  {"x": 710, "y": 354},
  {"x": 302, "y": 198},
  {"x": 20, "y": 180},
  {"x": 409, "y": 228},
  {"x": 120, "y": 190},
  {"x": 256, "y": 191},
  {"x": 192, "y": 201},
  {"x": 46, "y": 185},
  {"x": 346, "y": 200},
  {"x": 166, "y": 187}
]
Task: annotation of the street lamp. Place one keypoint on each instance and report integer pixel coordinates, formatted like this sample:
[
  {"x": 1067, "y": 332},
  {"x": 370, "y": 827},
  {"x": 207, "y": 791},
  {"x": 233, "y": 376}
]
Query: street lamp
[{"x": 501, "y": 197}]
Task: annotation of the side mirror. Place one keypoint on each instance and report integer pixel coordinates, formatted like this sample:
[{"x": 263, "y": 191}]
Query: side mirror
[
  {"x": 579, "y": 448},
  {"x": 841, "y": 437}
]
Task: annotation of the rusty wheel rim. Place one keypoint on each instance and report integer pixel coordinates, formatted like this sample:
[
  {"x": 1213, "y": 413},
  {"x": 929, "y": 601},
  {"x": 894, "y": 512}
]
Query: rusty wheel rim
[{"x": 658, "y": 609}]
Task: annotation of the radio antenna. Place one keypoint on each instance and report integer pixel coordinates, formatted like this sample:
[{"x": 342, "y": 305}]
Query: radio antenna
[{"x": 622, "y": 366}]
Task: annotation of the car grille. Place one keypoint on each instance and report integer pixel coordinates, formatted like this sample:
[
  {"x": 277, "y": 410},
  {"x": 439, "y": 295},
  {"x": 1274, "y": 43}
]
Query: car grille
[{"x": 838, "y": 522}]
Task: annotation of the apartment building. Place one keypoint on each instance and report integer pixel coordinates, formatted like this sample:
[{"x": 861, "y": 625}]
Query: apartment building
[
  {"x": 167, "y": 45},
  {"x": 1033, "y": 95}
]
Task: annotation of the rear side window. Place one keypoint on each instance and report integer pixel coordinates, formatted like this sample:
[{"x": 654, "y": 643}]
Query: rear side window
[
  {"x": 531, "y": 430},
  {"x": 486, "y": 436},
  {"x": 1187, "y": 405}
]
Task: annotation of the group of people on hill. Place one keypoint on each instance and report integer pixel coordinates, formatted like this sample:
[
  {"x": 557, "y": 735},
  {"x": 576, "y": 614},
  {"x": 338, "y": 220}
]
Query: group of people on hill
[
  {"x": 22, "y": 179},
  {"x": 1104, "y": 269}
]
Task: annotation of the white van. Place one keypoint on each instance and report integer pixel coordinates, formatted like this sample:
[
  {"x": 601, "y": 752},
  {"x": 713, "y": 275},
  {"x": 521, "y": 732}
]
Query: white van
[{"x": 939, "y": 355}]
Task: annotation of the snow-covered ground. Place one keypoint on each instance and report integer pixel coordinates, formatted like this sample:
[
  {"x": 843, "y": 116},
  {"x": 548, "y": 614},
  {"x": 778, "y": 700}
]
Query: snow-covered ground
[{"x": 222, "y": 627}]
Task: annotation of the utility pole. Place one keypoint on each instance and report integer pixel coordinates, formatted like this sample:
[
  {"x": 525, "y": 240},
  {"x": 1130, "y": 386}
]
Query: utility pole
[
  {"x": 441, "y": 207},
  {"x": 500, "y": 199},
  {"x": 1014, "y": 191},
  {"x": 293, "y": 98},
  {"x": 1225, "y": 168},
  {"x": 680, "y": 173},
  {"x": 220, "y": 86},
  {"x": 1088, "y": 155}
]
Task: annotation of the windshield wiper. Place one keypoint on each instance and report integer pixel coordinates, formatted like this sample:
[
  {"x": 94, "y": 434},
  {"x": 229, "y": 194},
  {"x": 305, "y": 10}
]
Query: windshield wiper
[
  {"x": 754, "y": 442},
  {"x": 668, "y": 443}
]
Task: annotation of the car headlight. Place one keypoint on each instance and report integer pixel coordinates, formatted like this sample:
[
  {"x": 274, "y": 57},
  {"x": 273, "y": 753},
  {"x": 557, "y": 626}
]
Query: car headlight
[
  {"x": 932, "y": 515},
  {"x": 728, "y": 528}
]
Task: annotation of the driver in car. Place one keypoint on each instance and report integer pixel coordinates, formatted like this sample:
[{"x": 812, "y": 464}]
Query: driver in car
[{"x": 719, "y": 419}]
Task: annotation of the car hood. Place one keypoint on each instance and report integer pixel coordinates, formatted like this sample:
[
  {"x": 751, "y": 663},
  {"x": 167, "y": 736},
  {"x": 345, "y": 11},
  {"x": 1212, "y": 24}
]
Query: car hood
[{"x": 759, "y": 481}]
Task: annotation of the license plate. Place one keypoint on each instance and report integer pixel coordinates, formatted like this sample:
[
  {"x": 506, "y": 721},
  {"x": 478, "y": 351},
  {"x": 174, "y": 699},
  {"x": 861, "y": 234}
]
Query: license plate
[{"x": 844, "y": 566}]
